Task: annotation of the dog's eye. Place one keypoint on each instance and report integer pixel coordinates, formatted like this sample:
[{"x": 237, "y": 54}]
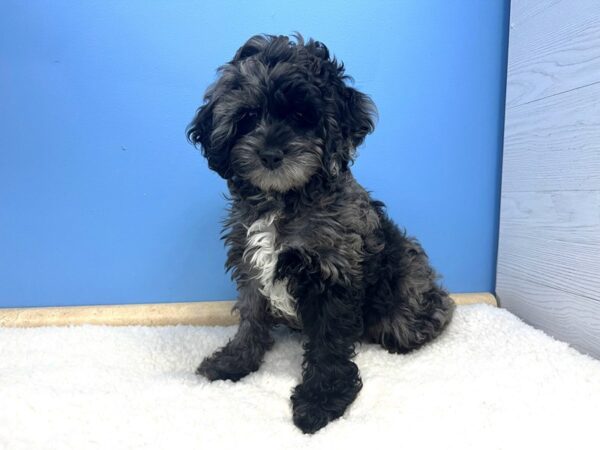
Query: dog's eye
[
  {"x": 305, "y": 118},
  {"x": 247, "y": 122}
]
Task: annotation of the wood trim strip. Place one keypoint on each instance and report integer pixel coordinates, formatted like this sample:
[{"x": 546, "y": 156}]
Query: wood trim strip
[{"x": 192, "y": 313}]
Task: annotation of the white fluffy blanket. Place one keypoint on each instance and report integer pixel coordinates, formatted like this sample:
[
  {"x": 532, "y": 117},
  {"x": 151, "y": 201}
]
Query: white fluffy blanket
[{"x": 490, "y": 382}]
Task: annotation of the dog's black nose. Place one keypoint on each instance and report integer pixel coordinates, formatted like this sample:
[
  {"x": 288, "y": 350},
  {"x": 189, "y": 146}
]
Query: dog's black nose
[{"x": 271, "y": 159}]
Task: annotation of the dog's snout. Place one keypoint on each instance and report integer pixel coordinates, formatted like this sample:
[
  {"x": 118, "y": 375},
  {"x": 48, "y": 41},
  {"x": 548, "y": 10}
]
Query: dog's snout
[{"x": 271, "y": 159}]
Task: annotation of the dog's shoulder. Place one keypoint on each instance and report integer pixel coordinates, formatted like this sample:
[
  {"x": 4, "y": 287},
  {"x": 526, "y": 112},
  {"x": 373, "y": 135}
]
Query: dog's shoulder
[{"x": 357, "y": 210}]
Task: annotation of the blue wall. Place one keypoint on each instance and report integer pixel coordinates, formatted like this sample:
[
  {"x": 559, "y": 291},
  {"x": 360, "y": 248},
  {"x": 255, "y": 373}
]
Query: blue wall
[{"x": 103, "y": 201}]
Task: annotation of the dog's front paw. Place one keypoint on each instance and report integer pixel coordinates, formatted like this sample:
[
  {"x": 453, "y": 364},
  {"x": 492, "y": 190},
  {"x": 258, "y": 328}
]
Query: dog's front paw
[
  {"x": 315, "y": 408},
  {"x": 309, "y": 417},
  {"x": 224, "y": 366},
  {"x": 294, "y": 262}
]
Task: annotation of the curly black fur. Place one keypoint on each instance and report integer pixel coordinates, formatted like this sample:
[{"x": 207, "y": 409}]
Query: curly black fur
[{"x": 307, "y": 245}]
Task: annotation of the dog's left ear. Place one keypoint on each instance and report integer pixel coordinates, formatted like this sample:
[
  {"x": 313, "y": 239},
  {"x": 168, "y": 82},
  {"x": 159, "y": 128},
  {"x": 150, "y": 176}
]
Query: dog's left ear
[
  {"x": 347, "y": 128},
  {"x": 359, "y": 113}
]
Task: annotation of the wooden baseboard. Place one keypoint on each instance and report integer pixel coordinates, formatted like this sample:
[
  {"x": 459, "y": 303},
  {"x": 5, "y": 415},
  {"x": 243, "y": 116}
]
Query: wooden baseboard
[{"x": 192, "y": 313}]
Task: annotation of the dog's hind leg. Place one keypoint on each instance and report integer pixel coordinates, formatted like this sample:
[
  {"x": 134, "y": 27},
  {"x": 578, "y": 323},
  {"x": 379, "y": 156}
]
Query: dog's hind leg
[
  {"x": 414, "y": 322},
  {"x": 244, "y": 352},
  {"x": 405, "y": 307}
]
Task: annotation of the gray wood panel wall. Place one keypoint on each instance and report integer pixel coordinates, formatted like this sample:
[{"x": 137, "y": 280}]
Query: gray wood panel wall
[{"x": 549, "y": 247}]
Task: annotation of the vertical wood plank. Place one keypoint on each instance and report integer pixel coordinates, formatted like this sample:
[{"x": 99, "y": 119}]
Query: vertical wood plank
[
  {"x": 549, "y": 245},
  {"x": 554, "y": 47}
]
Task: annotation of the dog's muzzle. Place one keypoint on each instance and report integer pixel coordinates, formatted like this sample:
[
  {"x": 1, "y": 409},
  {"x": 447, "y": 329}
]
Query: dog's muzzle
[{"x": 271, "y": 158}]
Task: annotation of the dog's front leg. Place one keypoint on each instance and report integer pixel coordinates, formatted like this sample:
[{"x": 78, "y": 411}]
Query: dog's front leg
[
  {"x": 332, "y": 322},
  {"x": 244, "y": 352}
]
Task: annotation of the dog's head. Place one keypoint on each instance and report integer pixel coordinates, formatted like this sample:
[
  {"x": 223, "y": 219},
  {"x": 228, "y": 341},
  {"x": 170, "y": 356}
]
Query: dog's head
[{"x": 280, "y": 113}]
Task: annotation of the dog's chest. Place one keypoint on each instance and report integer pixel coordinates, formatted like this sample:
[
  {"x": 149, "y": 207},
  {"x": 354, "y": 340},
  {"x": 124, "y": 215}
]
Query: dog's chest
[{"x": 262, "y": 252}]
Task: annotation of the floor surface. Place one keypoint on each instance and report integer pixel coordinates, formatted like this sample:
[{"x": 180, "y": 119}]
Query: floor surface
[{"x": 489, "y": 382}]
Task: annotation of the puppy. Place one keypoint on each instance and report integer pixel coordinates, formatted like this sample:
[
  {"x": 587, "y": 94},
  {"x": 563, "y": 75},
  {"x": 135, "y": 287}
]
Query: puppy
[{"x": 307, "y": 245}]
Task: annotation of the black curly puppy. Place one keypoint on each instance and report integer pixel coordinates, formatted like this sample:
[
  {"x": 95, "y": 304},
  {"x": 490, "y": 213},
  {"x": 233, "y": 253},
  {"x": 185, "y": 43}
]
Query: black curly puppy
[{"x": 307, "y": 245}]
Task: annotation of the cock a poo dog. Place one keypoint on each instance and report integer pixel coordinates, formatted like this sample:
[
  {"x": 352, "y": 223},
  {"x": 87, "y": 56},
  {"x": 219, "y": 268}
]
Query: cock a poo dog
[{"x": 307, "y": 245}]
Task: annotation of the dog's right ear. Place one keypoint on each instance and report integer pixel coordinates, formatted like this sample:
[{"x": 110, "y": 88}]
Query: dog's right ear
[{"x": 200, "y": 132}]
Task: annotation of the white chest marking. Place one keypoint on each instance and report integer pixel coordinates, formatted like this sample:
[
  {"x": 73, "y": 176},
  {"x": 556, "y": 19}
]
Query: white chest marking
[{"x": 262, "y": 253}]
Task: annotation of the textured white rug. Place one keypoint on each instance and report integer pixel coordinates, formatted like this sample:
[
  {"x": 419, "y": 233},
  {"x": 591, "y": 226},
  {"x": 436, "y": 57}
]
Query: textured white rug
[{"x": 490, "y": 382}]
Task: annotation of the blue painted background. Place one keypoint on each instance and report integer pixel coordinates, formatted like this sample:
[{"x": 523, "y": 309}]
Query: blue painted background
[{"x": 103, "y": 201}]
